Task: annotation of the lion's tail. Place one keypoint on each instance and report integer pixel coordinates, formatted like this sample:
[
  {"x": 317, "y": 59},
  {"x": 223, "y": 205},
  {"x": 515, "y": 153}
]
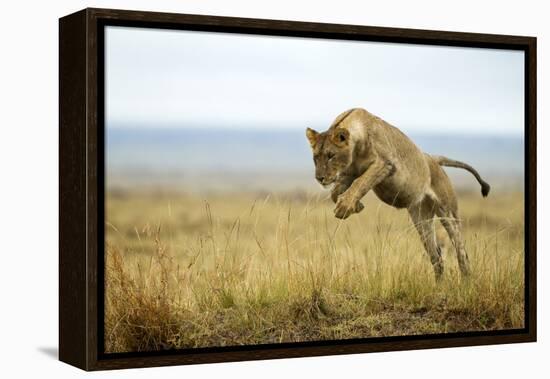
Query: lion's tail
[{"x": 443, "y": 161}]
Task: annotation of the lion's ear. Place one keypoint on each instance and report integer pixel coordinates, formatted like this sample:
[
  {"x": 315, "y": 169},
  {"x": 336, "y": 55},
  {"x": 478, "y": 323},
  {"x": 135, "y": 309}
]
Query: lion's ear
[
  {"x": 340, "y": 137},
  {"x": 312, "y": 136}
]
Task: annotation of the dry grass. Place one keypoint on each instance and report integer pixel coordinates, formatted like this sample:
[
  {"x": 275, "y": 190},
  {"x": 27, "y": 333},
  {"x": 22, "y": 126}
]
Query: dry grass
[{"x": 254, "y": 269}]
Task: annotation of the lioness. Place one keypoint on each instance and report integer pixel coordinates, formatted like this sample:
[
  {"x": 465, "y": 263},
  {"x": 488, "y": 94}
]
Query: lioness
[{"x": 360, "y": 152}]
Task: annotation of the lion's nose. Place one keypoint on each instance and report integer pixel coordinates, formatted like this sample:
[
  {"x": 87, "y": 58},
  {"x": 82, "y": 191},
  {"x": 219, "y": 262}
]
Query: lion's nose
[{"x": 320, "y": 179}]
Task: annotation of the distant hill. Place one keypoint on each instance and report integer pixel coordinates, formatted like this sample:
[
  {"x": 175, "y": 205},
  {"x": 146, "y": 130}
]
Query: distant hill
[{"x": 254, "y": 159}]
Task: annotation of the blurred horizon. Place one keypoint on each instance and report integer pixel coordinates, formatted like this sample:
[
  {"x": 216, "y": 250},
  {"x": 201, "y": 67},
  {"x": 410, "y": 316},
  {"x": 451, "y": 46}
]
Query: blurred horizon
[{"x": 220, "y": 160}]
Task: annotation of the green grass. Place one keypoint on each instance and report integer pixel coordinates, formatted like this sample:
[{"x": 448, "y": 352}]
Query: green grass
[{"x": 254, "y": 269}]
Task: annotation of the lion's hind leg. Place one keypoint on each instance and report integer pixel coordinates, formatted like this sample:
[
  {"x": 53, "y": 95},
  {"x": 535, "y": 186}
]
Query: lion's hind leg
[
  {"x": 444, "y": 196},
  {"x": 447, "y": 210},
  {"x": 422, "y": 216}
]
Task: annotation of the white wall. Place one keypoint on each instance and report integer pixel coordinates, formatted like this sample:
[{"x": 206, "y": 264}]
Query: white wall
[{"x": 28, "y": 156}]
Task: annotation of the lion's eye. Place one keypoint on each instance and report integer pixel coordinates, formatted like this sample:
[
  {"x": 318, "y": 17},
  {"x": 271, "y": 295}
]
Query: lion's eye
[{"x": 330, "y": 156}]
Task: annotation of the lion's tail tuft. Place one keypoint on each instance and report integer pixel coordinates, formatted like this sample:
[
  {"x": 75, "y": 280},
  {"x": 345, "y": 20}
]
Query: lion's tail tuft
[{"x": 444, "y": 161}]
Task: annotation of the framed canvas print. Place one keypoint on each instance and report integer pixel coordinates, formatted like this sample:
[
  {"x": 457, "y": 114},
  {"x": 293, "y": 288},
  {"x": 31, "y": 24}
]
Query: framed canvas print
[{"x": 237, "y": 189}]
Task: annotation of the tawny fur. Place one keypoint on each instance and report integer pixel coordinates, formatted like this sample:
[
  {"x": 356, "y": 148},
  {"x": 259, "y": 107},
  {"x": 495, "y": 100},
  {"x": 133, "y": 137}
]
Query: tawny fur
[{"x": 361, "y": 152}]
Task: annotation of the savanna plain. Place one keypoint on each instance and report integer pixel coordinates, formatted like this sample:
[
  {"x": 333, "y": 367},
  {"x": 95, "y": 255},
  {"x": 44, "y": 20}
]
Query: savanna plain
[{"x": 187, "y": 270}]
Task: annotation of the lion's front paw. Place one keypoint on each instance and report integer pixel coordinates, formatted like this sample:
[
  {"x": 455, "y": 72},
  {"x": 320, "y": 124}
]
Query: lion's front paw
[{"x": 346, "y": 206}]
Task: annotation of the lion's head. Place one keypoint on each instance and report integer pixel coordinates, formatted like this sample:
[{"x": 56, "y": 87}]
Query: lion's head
[{"x": 332, "y": 153}]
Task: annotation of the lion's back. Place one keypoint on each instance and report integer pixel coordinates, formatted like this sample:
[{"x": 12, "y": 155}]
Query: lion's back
[{"x": 411, "y": 177}]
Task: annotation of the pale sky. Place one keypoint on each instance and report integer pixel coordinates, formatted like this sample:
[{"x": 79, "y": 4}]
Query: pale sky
[{"x": 184, "y": 79}]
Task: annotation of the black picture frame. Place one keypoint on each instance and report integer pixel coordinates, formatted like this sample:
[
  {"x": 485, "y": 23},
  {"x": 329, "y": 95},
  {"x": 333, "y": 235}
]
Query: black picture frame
[{"x": 81, "y": 186}]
